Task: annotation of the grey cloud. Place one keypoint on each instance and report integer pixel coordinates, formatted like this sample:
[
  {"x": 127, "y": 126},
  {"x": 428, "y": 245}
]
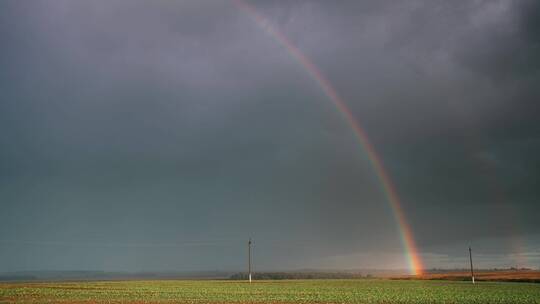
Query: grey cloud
[{"x": 135, "y": 122}]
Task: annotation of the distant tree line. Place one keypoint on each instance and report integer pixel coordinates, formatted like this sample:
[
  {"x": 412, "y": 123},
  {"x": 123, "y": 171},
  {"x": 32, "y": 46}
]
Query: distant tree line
[{"x": 298, "y": 275}]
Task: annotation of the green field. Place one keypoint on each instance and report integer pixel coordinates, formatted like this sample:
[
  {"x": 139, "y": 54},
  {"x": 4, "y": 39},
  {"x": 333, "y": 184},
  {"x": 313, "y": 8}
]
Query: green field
[{"x": 297, "y": 291}]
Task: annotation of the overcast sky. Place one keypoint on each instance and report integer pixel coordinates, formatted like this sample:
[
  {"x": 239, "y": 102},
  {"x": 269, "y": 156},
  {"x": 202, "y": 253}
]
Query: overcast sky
[{"x": 160, "y": 135}]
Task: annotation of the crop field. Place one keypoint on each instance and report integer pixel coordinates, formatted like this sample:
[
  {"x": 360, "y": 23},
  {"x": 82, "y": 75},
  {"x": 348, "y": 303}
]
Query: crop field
[{"x": 297, "y": 291}]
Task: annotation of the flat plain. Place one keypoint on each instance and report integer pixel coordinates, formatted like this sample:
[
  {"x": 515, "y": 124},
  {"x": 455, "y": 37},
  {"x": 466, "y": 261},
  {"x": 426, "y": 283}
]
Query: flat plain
[
  {"x": 532, "y": 276},
  {"x": 283, "y": 291}
]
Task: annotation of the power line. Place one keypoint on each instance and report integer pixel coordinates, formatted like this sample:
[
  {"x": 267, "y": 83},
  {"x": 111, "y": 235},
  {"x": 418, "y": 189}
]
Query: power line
[
  {"x": 249, "y": 260},
  {"x": 472, "y": 269}
]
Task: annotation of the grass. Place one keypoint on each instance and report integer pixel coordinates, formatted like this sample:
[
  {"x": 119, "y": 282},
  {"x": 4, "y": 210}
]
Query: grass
[{"x": 297, "y": 291}]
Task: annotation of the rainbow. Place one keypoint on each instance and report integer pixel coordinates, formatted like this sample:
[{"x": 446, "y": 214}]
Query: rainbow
[{"x": 408, "y": 242}]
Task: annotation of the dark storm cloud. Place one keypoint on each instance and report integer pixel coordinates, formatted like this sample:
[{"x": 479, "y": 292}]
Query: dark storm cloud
[{"x": 130, "y": 124}]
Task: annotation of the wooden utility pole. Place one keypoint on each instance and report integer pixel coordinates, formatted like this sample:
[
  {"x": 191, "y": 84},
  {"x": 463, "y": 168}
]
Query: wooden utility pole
[
  {"x": 472, "y": 269},
  {"x": 249, "y": 260}
]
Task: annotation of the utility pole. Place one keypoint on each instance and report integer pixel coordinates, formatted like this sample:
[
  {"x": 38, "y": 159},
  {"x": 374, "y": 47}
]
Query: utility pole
[
  {"x": 249, "y": 260},
  {"x": 472, "y": 269}
]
